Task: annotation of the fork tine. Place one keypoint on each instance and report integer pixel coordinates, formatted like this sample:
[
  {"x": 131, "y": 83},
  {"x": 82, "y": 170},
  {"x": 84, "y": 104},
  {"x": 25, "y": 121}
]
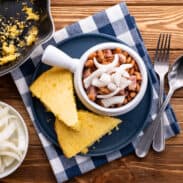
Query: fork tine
[
  {"x": 157, "y": 48},
  {"x": 161, "y": 48},
  {"x": 168, "y": 48},
  {"x": 165, "y": 48}
]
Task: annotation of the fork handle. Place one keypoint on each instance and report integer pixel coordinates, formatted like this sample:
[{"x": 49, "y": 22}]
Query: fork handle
[
  {"x": 159, "y": 139},
  {"x": 144, "y": 144}
]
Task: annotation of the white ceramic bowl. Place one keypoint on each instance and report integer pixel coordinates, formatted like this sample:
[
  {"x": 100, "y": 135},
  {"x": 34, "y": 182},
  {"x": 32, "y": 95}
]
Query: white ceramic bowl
[
  {"x": 13, "y": 167},
  {"x": 55, "y": 57}
]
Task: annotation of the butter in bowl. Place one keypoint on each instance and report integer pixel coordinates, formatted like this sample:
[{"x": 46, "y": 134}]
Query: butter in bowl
[{"x": 13, "y": 140}]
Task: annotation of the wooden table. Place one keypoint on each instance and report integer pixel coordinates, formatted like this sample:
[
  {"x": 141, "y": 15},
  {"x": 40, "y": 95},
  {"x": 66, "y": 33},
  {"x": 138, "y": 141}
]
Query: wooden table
[{"x": 153, "y": 17}]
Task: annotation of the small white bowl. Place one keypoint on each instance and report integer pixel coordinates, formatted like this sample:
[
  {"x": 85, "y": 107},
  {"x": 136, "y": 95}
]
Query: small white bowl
[
  {"x": 13, "y": 167},
  {"x": 55, "y": 57}
]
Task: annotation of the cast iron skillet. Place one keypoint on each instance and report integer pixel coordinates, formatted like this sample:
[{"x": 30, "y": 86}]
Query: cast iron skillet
[{"x": 10, "y": 8}]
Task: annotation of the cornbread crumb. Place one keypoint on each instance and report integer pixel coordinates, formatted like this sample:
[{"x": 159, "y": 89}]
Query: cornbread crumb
[
  {"x": 84, "y": 151},
  {"x": 117, "y": 128}
]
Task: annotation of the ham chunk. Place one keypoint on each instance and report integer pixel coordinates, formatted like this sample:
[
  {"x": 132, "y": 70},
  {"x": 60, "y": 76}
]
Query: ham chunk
[{"x": 133, "y": 85}]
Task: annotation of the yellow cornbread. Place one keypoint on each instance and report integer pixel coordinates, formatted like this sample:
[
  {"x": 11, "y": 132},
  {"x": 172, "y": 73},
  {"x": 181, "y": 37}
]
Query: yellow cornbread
[
  {"x": 92, "y": 128},
  {"x": 55, "y": 90}
]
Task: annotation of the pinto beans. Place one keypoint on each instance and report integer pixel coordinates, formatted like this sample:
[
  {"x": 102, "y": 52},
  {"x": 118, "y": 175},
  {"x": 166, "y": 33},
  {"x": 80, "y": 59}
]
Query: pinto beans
[
  {"x": 92, "y": 55},
  {"x": 131, "y": 71},
  {"x": 108, "y": 53},
  {"x": 100, "y": 56},
  {"x": 106, "y": 56},
  {"x": 122, "y": 92},
  {"x": 86, "y": 72},
  {"x": 138, "y": 76},
  {"x": 89, "y": 63},
  {"x": 104, "y": 91},
  {"x": 128, "y": 60},
  {"x": 125, "y": 53},
  {"x": 91, "y": 92},
  {"x": 132, "y": 94},
  {"x": 133, "y": 63},
  {"x": 137, "y": 87},
  {"x": 117, "y": 50},
  {"x": 122, "y": 59},
  {"x": 132, "y": 87},
  {"x": 125, "y": 101},
  {"x": 136, "y": 67}
]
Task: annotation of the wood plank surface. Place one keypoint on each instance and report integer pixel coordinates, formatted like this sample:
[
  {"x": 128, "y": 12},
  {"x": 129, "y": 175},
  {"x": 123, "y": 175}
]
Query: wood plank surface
[
  {"x": 153, "y": 17},
  {"x": 150, "y": 20},
  {"x": 112, "y": 2}
]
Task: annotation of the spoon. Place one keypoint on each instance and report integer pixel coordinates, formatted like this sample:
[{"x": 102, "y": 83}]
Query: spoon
[{"x": 175, "y": 81}]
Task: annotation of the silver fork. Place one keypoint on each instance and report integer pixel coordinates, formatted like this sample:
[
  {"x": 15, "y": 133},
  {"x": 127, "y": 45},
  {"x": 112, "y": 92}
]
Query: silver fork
[{"x": 161, "y": 66}]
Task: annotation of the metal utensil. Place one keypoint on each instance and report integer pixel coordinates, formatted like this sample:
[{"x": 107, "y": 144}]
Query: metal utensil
[
  {"x": 175, "y": 80},
  {"x": 161, "y": 67}
]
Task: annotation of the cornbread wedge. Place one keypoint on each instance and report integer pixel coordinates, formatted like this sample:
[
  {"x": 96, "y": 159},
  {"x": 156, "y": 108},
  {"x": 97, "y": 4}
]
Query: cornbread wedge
[
  {"x": 92, "y": 128},
  {"x": 55, "y": 90}
]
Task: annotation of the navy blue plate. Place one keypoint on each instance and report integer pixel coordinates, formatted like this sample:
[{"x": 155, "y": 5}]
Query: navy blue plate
[{"x": 133, "y": 122}]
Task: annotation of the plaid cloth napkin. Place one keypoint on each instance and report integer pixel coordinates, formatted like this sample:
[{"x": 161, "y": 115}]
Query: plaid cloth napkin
[{"x": 115, "y": 21}]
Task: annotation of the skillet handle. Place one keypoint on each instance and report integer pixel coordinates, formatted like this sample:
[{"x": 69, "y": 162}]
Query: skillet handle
[{"x": 54, "y": 57}]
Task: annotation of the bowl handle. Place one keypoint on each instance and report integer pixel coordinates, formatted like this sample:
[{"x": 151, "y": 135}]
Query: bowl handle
[{"x": 54, "y": 57}]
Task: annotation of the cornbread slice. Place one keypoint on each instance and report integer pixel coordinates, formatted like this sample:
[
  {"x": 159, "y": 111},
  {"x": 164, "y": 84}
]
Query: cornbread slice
[
  {"x": 92, "y": 128},
  {"x": 55, "y": 90}
]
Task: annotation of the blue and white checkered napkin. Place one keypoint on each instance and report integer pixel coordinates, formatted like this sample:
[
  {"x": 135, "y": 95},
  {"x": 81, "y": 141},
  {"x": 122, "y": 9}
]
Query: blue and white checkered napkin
[{"x": 115, "y": 21}]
